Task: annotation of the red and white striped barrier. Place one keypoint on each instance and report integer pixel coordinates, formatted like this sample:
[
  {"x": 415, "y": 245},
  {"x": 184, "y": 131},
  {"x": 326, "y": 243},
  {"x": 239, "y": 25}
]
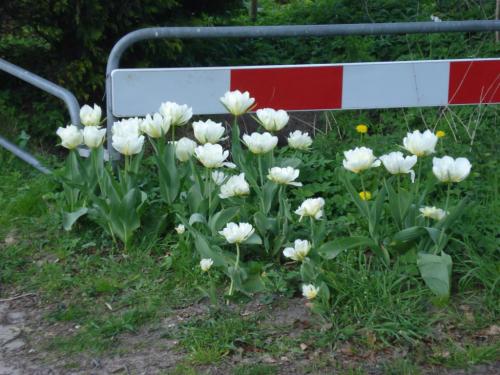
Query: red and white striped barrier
[{"x": 136, "y": 92}]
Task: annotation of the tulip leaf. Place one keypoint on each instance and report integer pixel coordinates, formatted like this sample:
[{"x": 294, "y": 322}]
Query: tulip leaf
[
  {"x": 254, "y": 239},
  {"x": 197, "y": 218},
  {"x": 436, "y": 272},
  {"x": 268, "y": 193},
  {"x": 221, "y": 218},
  {"x": 69, "y": 218},
  {"x": 209, "y": 252},
  {"x": 332, "y": 249},
  {"x": 290, "y": 162},
  {"x": 253, "y": 284},
  {"x": 308, "y": 271},
  {"x": 362, "y": 205},
  {"x": 399, "y": 203}
]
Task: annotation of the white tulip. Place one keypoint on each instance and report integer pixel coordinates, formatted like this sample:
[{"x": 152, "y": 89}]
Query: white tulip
[
  {"x": 259, "y": 143},
  {"x": 236, "y": 102},
  {"x": 360, "y": 159},
  {"x": 235, "y": 186},
  {"x": 299, "y": 251},
  {"x": 178, "y": 114},
  {"x": 71, "y": 136},
  {"x": 309, "y": 291},
  {"x": 284, "y": 176},
  {"x": 184, "y": 148},
  {"x": 128, "y": 145},
  {"x": 208, "y": 131},
  {"x": 433, "y": 213},
  {"x": 206, "y": 264},
  {"x": 211, "y": 156},
  {"x": 237, "y": 233},
  {"x": 299, "y": 140},
  {"x": 93, "y": 136},
  {"x": 447, "y": 169},
  {"x": 420, "y": 144},
  {"x": 127, "y": 127},
  {"x": 218, "y": 177},
  {"x": 272, "y": 120},
  {"x": 90, "y": 116},
  {"x": 180, "y": 229},
  {"x": 396, "y": 163},
  {"x": 155, "y": 126},
  {"x": 312, "y": 207}
]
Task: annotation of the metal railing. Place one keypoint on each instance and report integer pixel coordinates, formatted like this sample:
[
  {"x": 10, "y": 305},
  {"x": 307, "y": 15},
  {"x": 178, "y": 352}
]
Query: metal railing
[
  {"x": 49, "y": 87},
  {"x": 276, "y": 31}
]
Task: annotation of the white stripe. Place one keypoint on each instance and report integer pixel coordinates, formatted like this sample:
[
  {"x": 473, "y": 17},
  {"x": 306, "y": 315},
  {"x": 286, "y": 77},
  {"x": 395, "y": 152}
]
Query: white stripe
[
  {"x": 399, "y": 84},
  {"x": 137, "y": 92}
]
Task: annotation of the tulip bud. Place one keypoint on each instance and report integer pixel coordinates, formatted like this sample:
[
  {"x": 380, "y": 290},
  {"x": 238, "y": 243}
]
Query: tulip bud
[
  {"x": 93, "y": 137},
  {"x": 284, "y": 176},
  {"x": 184, "y": 149},
  {"x": 237, "y": 233},
  {"x": 420, "y": 144},
  {"x": 71, "y": 136},
  {"x": 272, "y": 120},
  {"x": 299, "y": 140},
  {"x": 260, "y": 143},
  {"x": 360, "y": 159},
  {"x": 90, "y": 116},
  {"x": 236, "y": 102},
  {"x": 178, "y": 114},
  {"x": 235, "y": 186},
  {"x": 208, "y": 131},
  {"x": 206, "y": 264},
  {"x": 309, "y": 291}
]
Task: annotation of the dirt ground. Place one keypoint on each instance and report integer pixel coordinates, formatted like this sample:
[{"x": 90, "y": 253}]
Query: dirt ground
[{"x": 24, "y": 334}]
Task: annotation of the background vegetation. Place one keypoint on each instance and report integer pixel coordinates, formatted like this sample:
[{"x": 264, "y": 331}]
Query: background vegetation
[{"x": 79, "y": 275}]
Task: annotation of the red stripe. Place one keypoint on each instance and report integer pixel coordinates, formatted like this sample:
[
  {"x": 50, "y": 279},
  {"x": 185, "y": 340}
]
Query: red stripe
[
  {"x": 311, "y": 88},
  {"x": 474, "y": 82}
]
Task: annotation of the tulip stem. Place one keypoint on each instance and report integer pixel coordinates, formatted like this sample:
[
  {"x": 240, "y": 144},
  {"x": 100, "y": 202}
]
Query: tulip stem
[
  {"x": 448, "y": 190},
  {"x": 208, "y": 191},
  {"x": 173, "y": 133},
  {"x": 311, "y": 223},
  {"x": 259, "y": 159},
  {"x": 231, "y": 287},
  {"x": 417, "y": 185}
]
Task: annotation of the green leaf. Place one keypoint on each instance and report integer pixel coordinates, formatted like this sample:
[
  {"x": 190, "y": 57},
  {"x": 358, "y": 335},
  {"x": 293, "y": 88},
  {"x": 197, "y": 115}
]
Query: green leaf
[
  {"x": 436, "y": 272},
  {"x": 207, "y": 251},
  {"x": 254, "y": 239},
  {"x": 362, "y": 205},
  {"x": 69, "y": 218},
  {"x": 332, "y": 249},
  {"x": 290, "y": 162},
  {"x": 268, "y": 193},
  {"x": 197, "y": 218},
  {"x": 308, "y": 271},
  {"x": 221, "y": 218}
]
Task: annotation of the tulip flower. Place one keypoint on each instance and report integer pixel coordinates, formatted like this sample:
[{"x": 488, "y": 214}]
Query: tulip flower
[
  {"x": 299, "y": 251},
  {"x": 312, "y": 207},
  {"x": 128, "y": 145},
  {"x": 180, "y": 229},
  {"x": 179, "y": 114},
  {"x": 218, "y": 177},
  {"x": 93, "y": 136},
  {"x": 272, "y": 120},
  {"x": 237, "y": 233},
  {"x": 420, "y": 144},
  {"x": 299, "y": 140},
  {"x": 208, "y": 131},
  {"x": 284, "y": 176},
  {"x": 155, "y": 126},
  {"x": 433, "y": 213},
  {"x": 259, "y": 143},
  {"x": 211, "y": 156},
  {"x": 184, "y": 149},
  {"x": 127, "y": 127},
  {"x": 447, "y": 169},
  {"x": 90, "y": 116},
  {"x": 360, "y": 159},
  {"x": 71, "y": 137},
  {"x": 396, "y": 163},
  {"x": 309, "y": 291},
  {"x": 236, "y": 102},
  {"x": 206, "y": 264},
  {"x": 235, "y": 186}
]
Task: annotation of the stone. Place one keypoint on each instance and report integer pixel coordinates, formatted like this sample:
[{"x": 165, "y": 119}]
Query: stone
[{"x": 8, "y": 333}]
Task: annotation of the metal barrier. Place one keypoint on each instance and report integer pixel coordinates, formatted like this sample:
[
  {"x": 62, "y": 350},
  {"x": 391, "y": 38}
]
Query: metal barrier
[
  {"x": 276, "y": 31},
  {"x": 49, "y": 87}
]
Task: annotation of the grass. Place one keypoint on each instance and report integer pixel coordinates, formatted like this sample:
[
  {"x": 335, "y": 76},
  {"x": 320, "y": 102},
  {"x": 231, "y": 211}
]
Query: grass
[{"x": 89, "y": 283}]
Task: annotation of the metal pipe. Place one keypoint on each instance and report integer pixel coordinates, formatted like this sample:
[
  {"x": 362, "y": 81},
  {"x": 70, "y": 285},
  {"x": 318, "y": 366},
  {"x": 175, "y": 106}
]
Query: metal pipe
[
  {"x": 277, "y": 31},
  {"x": 47, "y": 86},
  {"x": 23, "y": 155}
]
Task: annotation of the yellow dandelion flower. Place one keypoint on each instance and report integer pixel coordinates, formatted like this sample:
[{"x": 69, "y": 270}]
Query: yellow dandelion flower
[
  {"x": 365, "y": 195},
  {"x": 440, "y": 134},
  {"x": 362, "y": 128}
]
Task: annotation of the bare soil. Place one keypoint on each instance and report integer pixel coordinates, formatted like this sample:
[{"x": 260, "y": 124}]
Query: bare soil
[{"x": 25, "y": 332}]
